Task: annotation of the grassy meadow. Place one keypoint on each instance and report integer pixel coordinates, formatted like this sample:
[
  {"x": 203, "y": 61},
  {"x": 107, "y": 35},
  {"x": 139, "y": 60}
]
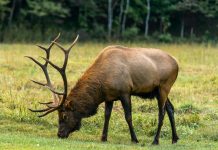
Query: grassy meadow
[{"x": 194, "y": 95}]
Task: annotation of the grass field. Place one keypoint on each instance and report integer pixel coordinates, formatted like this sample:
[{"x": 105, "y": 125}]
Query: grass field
[{"x": 195, "y": 98}]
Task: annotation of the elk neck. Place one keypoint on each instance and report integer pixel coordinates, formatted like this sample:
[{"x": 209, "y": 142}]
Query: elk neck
[{"x": 87, "y": 94}]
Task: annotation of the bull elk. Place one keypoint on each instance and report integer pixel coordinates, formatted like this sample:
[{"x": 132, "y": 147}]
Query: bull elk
[{"x": 116, "y": 74}]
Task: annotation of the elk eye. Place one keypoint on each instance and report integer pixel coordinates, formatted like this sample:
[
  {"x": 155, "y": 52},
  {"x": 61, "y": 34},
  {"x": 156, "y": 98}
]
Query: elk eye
[{"x": 64, "y": 116}]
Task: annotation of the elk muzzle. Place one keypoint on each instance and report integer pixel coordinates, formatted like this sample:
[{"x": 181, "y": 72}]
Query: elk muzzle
[{"x": 63, "y": 134}]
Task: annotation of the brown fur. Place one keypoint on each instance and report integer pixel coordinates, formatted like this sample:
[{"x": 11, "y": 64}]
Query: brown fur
[
  {"x": 116, "y": 74},
  {"x": 91, "y": 89}
]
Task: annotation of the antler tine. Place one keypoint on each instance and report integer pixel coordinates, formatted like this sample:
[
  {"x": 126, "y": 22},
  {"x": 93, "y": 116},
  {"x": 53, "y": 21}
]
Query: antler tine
[
  {"x": 34, "y": 60},
  {"x": 45, "y": 103},
  {"x": 43, "y": 67},
  {"x": 39, "y": 110},
  {"x": 41, "y": 47},
  {"x": 47, "y": 112},
  {"x": 48, "y": 104},
  {"x": 67, "y": 53},
  {"x": 50, "y": 46},
  {"x": 74, "y": 42},
  {"x": 66, "y": 50},
  {"x": 59, "y": 93},
  {"x": 60, "y": 46},
  {"x": 59, "y": 34},
  {"x": 52, "y": 64},
  {"x": 48, "y": 87},
  {"x": 42, "y": 84}
]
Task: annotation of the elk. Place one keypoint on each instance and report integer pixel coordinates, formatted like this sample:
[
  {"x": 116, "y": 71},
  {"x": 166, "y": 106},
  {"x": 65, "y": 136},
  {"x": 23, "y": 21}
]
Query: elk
[{"x": 117, "y": 73}]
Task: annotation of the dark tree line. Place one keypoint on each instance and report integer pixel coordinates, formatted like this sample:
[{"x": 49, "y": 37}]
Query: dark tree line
[{"x": 36, "y": 20}]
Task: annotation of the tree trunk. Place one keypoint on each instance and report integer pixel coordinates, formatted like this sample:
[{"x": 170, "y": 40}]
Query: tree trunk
[
  {"x": 12, "y": 13},
  {"x": 110, "y": 18},
  {"x": 161, "y": 26},
  {"x": 182, "y": 28},
  {"x": 191, "y": 32},
  {"x": 124, "y": 17},
  {"x": 120, "y": 16},
  {"x": 147, "y": 18}
]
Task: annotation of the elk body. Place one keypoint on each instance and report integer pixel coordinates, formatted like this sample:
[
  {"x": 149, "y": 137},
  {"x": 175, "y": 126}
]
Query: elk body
[{"x": 116, "y": 74}]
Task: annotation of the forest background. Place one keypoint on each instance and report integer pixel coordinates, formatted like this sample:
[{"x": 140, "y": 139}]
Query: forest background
[{"x": 131, "y": 20}]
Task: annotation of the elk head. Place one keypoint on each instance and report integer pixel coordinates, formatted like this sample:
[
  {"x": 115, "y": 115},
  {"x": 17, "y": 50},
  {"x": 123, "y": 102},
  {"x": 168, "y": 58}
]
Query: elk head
[{"x": 68, "y": 120}]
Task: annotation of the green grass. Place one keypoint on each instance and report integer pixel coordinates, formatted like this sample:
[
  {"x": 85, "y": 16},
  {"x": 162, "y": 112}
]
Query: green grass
[
  {"x": 194, "y": 95},
  {"x": 26, "y": 141}
]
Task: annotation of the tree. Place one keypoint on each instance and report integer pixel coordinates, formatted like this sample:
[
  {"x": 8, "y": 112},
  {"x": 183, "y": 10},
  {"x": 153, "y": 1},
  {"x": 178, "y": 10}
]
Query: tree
[
  {"x": 187, "y": 9},
  {"x": 147, "y": 18},
  {"x": 102, "y": 19},
  {"x": 44, "y": 12},
  {"x": 12, "y": 12},
  {"x": 110, "y": 18},
  {"x": 121, "y": 15},
  {"x": 161, "y": 11},
  {"x": 124, "y": 17},
  {"x": 3, "y": 13},
  {"x": 46, "y": 8},
  {"x": 3, "y": 9}
]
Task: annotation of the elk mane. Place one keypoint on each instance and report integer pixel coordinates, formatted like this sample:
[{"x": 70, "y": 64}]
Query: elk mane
[{"x": 84, "y": 96}]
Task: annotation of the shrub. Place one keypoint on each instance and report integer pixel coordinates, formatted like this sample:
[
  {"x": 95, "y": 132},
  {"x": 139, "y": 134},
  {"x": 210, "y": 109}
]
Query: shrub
[
  {"x": 188, "y": 108},
  {"x": 166, "y": 38},
  {"x": 130, "y": 32}
]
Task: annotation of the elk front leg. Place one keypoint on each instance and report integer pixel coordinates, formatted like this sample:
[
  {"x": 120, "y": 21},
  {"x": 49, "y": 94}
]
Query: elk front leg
[
  {"x": 170, "y": 112},
  {"x": 126, "y": 103},
  {"x": 108, "y": 109}
]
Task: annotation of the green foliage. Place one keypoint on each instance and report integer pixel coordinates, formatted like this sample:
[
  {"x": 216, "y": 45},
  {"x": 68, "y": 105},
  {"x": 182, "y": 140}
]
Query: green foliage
[
  {"x": 138, "y": 14},
  {"x": 46, "y": 8},
  {"x": 98, "y": 33},
  {"x": 188, "y": 108},
  {"x": 3, "y": 9},
  {"x": 130, "y": 32},
  {"x": 165, "y": 38},
  {"x": 189, "y": 6},
  {"x": 90, "y": 17}
]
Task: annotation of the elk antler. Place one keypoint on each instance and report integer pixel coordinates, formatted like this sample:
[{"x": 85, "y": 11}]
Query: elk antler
[{"x": 58, "y": 101}]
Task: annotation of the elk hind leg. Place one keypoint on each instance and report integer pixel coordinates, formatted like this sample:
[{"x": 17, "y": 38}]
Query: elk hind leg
[
  {"x": 161, "y": 99},
  {"x": 170, "y": 112}
]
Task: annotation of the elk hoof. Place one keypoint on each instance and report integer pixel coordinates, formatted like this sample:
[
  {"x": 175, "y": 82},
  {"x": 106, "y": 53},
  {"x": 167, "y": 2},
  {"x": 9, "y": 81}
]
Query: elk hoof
[
  {"x": 155, "y": 142},
  {"x": 104, "y": 139},
  {"x": 135, "y": 141},
  {"x": 175, "y": 139}
]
